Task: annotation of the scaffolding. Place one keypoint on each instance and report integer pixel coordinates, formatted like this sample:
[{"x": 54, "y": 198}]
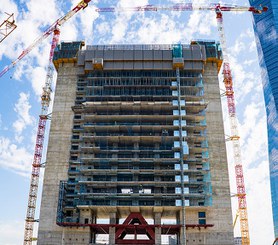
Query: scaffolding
[{"x": 138, "y": 140}]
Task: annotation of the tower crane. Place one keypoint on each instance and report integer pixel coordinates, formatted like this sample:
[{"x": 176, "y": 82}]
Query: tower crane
[
  {"x": 186, "y": 7},
  {"x": 51, "y": 29},
  {"x": 7, "y": 27},
  {"x": 229, "y": 91},
  {"x": 45, "y": 101}
]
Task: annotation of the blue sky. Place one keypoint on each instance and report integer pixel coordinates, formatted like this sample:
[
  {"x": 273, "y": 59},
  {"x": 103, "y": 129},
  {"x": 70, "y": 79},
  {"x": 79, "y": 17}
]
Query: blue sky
[{"x": 21, "y": 88}]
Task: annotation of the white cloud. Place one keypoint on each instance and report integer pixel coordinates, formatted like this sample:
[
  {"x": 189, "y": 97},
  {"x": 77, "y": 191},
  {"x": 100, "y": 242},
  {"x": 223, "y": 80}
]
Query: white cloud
[
  {"x": 69, "y": 32},
  {"x": 37, "y": 12},
  {"x": 103, "y": 28},
  {"x": 249, "y": 62},
  {"x": 152, "y": 30},
  {"x": 238, "y": 47},
  {"x": 37, "y": 76},
  {"x": 14, "y": 158},
  {"x": 11, "y": 232},
  {"x": 121, "y": 23},
  {"x": 250, "y": 120},
  {"x": 259, "y": 209},
  {"x": 201, "y": 23},
  {"x": 253, "y": 47},
  {"x": 24, "y": 118},
  {"x": 87, "y": 18}
]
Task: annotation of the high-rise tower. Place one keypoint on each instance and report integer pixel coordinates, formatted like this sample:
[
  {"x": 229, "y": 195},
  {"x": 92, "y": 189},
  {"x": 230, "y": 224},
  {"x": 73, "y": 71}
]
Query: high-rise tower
[
  {"x": 136, "y": 151},
  {"x": 266, "y": 31}
]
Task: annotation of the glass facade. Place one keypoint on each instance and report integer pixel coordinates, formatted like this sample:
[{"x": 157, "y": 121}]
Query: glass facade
[{"x": 266, "y": 31}]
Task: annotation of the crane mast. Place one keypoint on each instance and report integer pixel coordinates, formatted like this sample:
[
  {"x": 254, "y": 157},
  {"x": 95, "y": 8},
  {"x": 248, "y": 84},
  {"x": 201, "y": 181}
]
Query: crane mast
[
  {"x": 218, "y": 8},
  {"x": 45, "y": 101}
]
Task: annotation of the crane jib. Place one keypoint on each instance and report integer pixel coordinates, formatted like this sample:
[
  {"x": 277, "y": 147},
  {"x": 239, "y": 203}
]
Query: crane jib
[{"x": 187, "y": 7}]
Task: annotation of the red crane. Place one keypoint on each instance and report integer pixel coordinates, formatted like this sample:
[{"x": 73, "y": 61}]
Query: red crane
[
  {"x": 45, "y": 101},
  {"x": 228, "y": 82},
  {"x": 81, "y": 5},
  {"x": 187, "y": 7}
]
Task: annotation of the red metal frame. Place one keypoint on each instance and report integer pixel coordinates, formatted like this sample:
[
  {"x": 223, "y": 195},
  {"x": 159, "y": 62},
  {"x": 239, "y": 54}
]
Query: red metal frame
[
  {"x": 104, "y": 228},
  {"x": 135, "y": 224},
  {"x": 134, "y": 219}
]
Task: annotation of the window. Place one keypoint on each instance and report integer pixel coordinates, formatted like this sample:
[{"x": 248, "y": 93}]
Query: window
[
  {"x": 177, "y": 178},
  {"x": 178, "y": 202},
  {"x": 177, "y": 155},
  {"x": 75, "y": 136},
  {"x": 175, "y": 103},
  {"x": 69, "y": 213},
  {"x": 185, "y": 148},
  {"x": 202, "y": 218},
  {"x": 202, "y": 214},
  {"x": 183, "y": 133},
  {"x": 186, "y": 203},
  {"x": 71, "y": 180},
  {"x": 175, "y": 112},
  {"x": 176, "y": 133},
  {"x": 183, "y": 113},
  {"x": 202, "y": 221}
]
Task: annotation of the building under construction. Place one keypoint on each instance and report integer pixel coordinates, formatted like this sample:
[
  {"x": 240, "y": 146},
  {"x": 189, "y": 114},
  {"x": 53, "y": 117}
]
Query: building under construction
[{"x": 136, "y": 151}]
